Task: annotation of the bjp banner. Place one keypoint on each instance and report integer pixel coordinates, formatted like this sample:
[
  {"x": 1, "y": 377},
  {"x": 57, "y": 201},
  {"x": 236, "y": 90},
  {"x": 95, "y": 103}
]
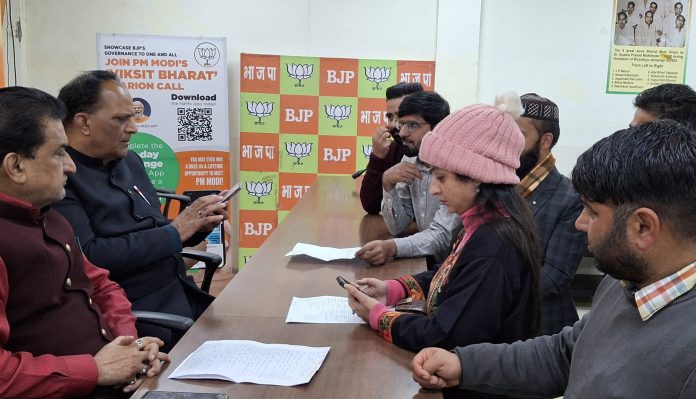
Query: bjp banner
[{"x": 302, "y": 117}]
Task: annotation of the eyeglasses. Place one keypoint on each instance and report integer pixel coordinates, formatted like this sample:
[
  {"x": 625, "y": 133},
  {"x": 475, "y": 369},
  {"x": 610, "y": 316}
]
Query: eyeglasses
[{"x": 411, "y": 126}]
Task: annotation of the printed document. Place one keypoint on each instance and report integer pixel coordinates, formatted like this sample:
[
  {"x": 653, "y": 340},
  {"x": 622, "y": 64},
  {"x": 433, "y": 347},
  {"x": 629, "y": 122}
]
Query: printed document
[
  {"x": 323, "y": 253},
  {"x": 322, "y": 309},
  {"x": 254, "y": 362}
]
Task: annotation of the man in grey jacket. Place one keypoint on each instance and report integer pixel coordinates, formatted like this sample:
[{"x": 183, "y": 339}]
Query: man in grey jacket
[
  {"x": 406, "y": 197},
  {"x": 638, "y": 188}
]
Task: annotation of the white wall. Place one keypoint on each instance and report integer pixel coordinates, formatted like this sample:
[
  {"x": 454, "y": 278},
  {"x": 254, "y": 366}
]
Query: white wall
[
  {"x": 560, "y": 50},
  {"x": 59, "y": 35}
]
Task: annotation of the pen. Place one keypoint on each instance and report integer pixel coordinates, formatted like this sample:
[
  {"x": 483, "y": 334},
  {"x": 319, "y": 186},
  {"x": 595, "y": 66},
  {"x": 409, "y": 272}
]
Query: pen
[
  {"x": 137, "y": 190},
  {"x": 358, "y": 173}
]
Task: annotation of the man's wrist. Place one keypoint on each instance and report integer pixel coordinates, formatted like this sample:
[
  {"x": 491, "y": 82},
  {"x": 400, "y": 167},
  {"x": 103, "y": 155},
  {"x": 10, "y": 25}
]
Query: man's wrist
[{"x": 391, "y": 246}]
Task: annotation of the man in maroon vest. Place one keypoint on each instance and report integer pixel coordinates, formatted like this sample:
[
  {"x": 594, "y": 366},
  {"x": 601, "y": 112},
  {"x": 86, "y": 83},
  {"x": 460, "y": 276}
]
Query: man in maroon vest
[{"x": 66, "y": 330}]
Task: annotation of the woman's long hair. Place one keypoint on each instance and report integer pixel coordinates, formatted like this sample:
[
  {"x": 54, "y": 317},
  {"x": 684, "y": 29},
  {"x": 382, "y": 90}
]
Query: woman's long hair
[{"x": 519, "y": 229}]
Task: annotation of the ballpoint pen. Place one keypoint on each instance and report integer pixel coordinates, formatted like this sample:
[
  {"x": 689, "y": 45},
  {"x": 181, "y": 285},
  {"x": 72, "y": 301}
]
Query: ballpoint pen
[{"x": 137, "y": 190}]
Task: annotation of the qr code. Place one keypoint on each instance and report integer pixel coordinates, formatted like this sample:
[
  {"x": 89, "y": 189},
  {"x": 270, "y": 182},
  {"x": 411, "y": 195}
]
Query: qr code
[{"x": 194, "y": 124}]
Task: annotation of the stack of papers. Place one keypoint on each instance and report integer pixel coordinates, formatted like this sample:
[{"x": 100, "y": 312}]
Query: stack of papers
[
  {"x": 254, "y": 362},
  {"x": 323, "y": 253},
  {"x": 321, "y": 309}
]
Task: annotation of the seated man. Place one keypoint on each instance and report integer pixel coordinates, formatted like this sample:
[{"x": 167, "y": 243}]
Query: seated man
[
  {"x": 66, "y": 330},
  {"x": 387, "y": 150},
  {"x": 555, "y": 206},
  {"x": 666, "y": 101},
  {"x": 638, "y": 187},
  {"x": 406, "y": 191},
  {"x": 114, "y": 209}
]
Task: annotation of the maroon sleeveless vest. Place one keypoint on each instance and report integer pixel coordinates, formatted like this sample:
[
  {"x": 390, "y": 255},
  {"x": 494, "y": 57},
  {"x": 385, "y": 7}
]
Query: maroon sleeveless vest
[{"x": 49, "y": 306}]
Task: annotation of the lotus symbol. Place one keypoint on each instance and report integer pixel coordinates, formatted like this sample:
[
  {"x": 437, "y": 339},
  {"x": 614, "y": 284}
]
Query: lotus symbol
[
  {"x": 207, "y": 54},
  {"x": 259, "y": 110},
  {"x": 259, "y": 189},
  {"x": 377, "y": 75},
  {"x": 338, "y": 113},
  {"x": 300, "y": 72},
  {"x": 298, "y": 150},
  {"x": 367, "y": 150}
]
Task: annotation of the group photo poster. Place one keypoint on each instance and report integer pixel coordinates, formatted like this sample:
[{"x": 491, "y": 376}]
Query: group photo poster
[
  {"x": 301, "y": 117},
  {"x": 649, "y": 44},
  {"x": 180, "y": 102}
]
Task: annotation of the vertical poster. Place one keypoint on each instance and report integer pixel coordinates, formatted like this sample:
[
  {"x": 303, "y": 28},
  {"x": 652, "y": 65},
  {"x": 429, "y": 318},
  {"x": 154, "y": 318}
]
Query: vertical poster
[
  {"x": 302, "y": 117},
  {"x": 179, "y": 90},
  {"x": 2, "y": 50},
  {"x": 649, "y": 44}
]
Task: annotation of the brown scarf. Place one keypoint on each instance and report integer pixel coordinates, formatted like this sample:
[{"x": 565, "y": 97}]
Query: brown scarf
[{"x": 536, "y": 176}]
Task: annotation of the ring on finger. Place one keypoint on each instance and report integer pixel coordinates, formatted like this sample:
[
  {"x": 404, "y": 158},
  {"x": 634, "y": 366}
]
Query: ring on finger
[
  {"x": 139, "y": 344},
  {"x": 144, "y": 370},
  {"x": 133, "y": 380}
]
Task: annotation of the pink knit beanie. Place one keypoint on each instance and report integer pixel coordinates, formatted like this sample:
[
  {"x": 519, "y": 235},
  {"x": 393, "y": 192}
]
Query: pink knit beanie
[{"x": 480, "y": 141}]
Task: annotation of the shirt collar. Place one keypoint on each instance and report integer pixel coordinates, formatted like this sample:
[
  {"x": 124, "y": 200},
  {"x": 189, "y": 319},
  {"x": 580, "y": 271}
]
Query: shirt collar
[
  {"x": 84, "y": 159},
  {"x": 21, "y": 209},
  {"x": 659, "y": 294}
]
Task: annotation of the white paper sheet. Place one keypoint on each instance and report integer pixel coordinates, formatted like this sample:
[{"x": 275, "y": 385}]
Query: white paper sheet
[
  {"x": 254, "y": 362},
  {"x": 323, "y": 253},
  {"x": 322, "y": 309}
]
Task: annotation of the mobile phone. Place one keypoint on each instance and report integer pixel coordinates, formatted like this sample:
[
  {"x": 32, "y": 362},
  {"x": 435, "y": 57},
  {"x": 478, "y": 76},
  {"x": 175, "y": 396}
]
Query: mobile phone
[
  {"x": 234, "y": 190},
  {"x": 342, "y": 282}
]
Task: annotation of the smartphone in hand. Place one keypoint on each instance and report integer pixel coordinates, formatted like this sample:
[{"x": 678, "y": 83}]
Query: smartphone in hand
[
  {"x": 342, "y": 282},
  {"x": 232, "y": 191}
]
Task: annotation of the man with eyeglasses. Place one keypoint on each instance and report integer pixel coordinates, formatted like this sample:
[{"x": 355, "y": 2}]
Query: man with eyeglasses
[
  {"x": 386, "y": 148},
  {"x": 406, "y": 195}
]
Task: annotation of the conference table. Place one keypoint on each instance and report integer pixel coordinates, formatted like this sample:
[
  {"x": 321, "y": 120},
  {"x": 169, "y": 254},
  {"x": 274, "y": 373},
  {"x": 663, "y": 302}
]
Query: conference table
[{"x": 254, "y": 305}]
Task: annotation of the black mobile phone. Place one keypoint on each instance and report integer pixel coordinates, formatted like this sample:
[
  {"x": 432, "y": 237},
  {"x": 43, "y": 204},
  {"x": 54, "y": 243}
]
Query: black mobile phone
[
  {"x": 342, "y": 282},
  {"x": 232, "y": 191}
]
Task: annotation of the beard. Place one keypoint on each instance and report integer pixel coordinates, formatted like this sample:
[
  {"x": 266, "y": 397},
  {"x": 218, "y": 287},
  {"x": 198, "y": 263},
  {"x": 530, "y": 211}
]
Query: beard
[
  {"x": 528, "y": 160},
  {"x": 409, "y": 152},
  {"x": 614, "y": 257}
]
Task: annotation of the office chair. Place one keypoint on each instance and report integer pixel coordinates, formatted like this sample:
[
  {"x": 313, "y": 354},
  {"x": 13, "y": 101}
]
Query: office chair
[
  {"x": 178, "y": 325},
  {"x": 211, "y": 261}
]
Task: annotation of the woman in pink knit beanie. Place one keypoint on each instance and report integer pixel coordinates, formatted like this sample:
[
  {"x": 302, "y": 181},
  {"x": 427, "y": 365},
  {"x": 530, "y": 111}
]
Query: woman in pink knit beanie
[{"x": 487, "y": 289}]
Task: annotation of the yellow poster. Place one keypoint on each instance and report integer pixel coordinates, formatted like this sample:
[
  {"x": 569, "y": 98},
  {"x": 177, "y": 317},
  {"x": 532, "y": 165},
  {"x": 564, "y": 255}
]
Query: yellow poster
[{"x": 649, "y": 44}]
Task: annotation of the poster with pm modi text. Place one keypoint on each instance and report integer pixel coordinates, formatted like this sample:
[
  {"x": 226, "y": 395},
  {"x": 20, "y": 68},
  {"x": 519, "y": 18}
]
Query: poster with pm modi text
[{"x": 180, "y": 103}]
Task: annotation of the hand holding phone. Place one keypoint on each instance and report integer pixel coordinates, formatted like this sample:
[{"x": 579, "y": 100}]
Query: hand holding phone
[
  {"x": 342, "y": 282},
  {"x": 232, "y": 191}
]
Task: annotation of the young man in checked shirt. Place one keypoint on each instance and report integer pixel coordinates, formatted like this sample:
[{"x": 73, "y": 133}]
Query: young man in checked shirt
[{"x": 638, "y": 187}]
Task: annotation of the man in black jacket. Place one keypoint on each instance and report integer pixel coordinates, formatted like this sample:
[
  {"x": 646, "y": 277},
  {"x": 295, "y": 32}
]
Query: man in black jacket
[
  {"x": 114, "y": 209},
  {"x": 555, "y": 206}
]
